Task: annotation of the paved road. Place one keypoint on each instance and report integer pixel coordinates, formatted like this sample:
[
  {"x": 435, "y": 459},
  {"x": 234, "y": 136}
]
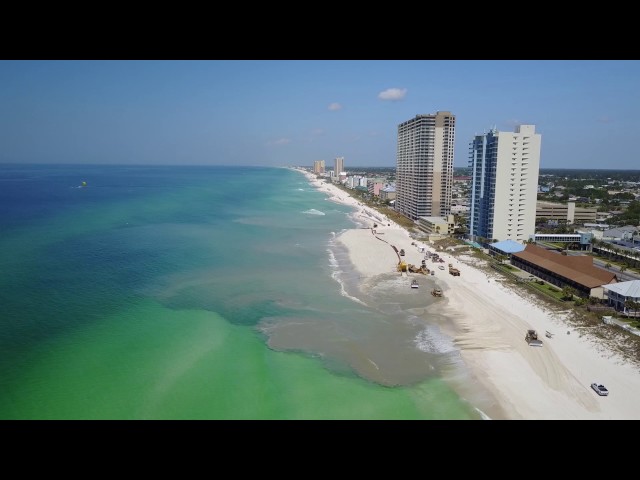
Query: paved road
[{"x": 624, "y": 276}]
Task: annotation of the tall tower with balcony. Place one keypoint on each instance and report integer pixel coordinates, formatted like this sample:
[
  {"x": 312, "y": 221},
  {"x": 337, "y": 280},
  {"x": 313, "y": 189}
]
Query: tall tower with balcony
[
  {"x": 504, "y": 168},
  {"x": 424, "y": 165}
]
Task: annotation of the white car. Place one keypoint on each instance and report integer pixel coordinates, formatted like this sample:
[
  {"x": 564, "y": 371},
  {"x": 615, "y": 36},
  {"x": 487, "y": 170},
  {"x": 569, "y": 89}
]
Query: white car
[{"x": 600, "y": 389}]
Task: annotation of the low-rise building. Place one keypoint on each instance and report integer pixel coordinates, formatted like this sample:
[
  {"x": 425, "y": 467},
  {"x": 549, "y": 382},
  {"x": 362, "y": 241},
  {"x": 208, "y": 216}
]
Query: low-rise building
[
  {"x": 374, "y": 185},
  {"x": 567, "y": 212},
  {"x": 622, "y": 233},
  {"x": 576, "y": 271},
  {"x": 620, "y": 294},
  {"x": 505, "y": 247},
  {"x": 437, "y": 227},
  {"x": 388, "y": 193}
]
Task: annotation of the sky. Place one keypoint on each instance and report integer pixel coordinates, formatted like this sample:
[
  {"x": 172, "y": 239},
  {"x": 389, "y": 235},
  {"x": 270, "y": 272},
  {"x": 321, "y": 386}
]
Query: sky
[{"x": 292, "y": 112}]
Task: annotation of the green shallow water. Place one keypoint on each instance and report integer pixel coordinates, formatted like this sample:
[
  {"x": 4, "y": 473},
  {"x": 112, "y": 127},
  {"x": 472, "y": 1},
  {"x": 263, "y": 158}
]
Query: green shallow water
[{"x": 155, "y": 363}]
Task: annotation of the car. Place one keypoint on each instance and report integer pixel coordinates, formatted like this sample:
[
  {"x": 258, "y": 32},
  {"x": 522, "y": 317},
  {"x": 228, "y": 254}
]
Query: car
[{"x": 600, "y": 389}]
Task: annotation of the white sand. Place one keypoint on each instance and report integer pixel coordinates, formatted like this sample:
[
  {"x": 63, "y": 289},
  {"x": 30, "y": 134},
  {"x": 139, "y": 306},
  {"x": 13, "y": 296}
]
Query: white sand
[{"x": 491, "y": 320}]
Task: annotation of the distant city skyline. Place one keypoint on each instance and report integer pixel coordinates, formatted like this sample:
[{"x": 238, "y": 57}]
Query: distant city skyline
[{"x": 295, "y": 112}]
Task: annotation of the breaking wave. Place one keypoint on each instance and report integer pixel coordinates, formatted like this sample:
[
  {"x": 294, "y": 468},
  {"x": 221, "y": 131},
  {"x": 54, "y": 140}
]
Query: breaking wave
[
  {"x": 483, "y": 415},
  {"x": 313, "y": 211},
  {"x": 431, "y": 340},
  {"x": 332, "y": 259}
]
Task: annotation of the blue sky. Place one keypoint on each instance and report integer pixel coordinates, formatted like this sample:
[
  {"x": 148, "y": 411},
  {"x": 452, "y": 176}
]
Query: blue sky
[{"x": 292, "y": 112}]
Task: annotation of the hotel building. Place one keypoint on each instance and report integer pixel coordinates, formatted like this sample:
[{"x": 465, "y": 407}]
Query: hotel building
[
  {"x": 424, "y": 169},
  {"x": 504, "y": 187},
  {"x": 338, "y": 166}
]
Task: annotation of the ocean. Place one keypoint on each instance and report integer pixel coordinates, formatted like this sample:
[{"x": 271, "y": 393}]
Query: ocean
[{"x": 176, "y": 292}]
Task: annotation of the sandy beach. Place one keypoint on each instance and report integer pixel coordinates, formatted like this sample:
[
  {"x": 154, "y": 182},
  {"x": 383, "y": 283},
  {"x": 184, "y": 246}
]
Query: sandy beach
[{"x": 489, "y": 321}]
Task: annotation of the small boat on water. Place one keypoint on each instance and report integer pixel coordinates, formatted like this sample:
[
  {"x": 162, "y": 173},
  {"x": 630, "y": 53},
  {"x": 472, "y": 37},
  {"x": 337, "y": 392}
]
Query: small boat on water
[{"x": 414, "y": 283}]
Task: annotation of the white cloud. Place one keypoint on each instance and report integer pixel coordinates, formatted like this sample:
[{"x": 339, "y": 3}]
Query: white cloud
[
  {"x": 335, "y": 106},
  {"x": 280, "y": 141},
  {"x": 393, "y": 94}
]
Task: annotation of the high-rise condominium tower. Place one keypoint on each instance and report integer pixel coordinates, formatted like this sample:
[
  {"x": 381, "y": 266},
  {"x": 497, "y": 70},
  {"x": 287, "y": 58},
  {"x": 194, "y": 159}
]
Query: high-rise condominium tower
[
  {"x": 504, "y": 169},
  {"x": 424, "y": 169},
  {"x": 338, "y": 166},
  {"x": 318, "y": 166}
]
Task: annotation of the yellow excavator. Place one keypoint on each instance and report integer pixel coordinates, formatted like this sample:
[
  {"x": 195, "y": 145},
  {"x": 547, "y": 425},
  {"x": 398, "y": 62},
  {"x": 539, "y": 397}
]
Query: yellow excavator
[{"x": 402, "y": 265}]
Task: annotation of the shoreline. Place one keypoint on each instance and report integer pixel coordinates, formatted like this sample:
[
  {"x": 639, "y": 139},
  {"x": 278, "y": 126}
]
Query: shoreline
[{"x": 552, "y": 382}]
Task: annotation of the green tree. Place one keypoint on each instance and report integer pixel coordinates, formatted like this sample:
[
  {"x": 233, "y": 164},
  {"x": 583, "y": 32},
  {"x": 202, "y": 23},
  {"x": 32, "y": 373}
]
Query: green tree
[
  {"x": 594, "y": 300},
  {"x": 501, "y": 258},
  {"x": 632, "y": 306},
  {"x": 568, "y": 292}
]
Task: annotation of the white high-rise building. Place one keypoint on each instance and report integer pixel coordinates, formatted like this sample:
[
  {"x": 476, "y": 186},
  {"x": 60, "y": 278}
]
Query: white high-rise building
[
  {"x": 424, "y": 169},
  {"x": 504, "y": 187}
]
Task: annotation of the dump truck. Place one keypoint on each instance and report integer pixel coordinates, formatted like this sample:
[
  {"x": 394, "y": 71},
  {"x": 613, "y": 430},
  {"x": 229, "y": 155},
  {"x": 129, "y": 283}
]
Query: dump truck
[{"x": 532, "y": 339}]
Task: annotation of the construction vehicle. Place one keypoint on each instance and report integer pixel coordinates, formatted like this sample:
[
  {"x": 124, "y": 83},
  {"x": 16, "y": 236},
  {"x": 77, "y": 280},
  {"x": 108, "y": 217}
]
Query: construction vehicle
[
  {"x": 415, "y": 269},
  {"x": 402, "y": 265},
  {"x": 532, "y": 339}
]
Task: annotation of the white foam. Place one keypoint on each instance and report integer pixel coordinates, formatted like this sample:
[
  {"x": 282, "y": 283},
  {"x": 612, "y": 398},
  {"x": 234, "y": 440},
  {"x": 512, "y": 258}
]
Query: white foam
[
  {"x": 332, "y": 259},
  {"x": 483, "y": 415},
  {"x": 313, "y": 211},
  {"x": 335, "y": 274},
  {"x": 431, "y": 341}
]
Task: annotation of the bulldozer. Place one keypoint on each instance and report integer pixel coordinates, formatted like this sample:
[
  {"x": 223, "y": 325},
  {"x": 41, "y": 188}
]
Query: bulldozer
[{"x": 532, "y": 339}]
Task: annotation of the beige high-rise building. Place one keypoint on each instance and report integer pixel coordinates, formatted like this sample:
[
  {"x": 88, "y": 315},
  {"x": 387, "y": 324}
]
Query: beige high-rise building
[
  {"x": 338, "y": 166},
  {"x": 424, "y": 168},
  {"x": 504, "y": 190},
  {"x": 318, "y": 166}
]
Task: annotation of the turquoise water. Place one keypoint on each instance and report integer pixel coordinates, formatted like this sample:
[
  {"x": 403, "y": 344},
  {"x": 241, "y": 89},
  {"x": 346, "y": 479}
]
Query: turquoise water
[{"x": 197, "y": 293}]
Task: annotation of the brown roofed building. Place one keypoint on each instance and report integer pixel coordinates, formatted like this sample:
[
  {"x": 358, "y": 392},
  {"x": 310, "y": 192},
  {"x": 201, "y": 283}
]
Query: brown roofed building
[{"x": 564, "y": 270}]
